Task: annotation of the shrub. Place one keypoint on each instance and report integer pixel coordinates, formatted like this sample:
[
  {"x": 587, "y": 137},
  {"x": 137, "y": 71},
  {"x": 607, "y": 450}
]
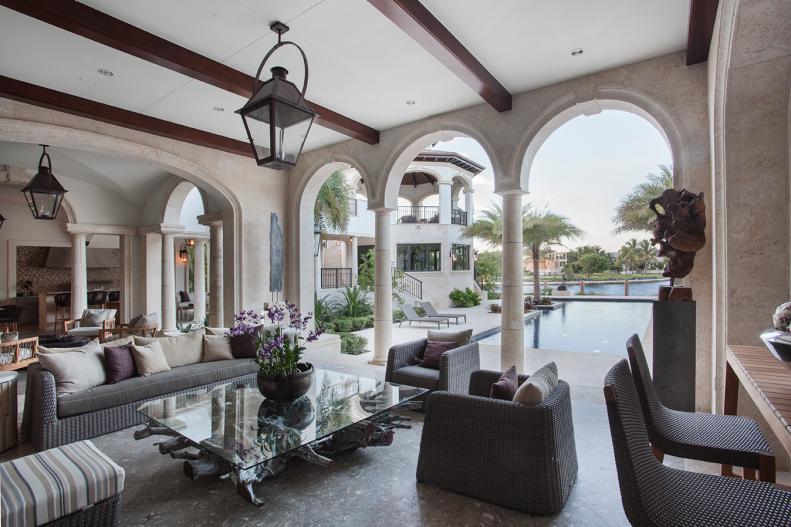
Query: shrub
[
  {"x": 353, "y": 303},
  {"x": 466, "y": 298},
  {"x": 329, "y": 327},
  {"x": 398, "y": 315},
  {"x": 495, "y": 308},
  {"x": 495, "y": 296},
  {"x": 343, "y": 325},
  {"x": 545, "y": 302},
  {"x": 529, "y": 306},
  {"x": 353, "y": 344}
]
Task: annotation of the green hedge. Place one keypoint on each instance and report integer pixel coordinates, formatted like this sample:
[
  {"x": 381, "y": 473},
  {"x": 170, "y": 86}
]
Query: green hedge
[
  {"x": 466, "y": 298},
  {"x": 353, "y": 344}
]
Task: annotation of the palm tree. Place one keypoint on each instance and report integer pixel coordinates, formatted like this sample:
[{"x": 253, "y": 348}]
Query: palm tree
[
  {"x": 647, "y": 253},
  {"x": 541, "y": 229},
  {"x": 629, "y": 255},
  {"x": 333, "y": 204},
  {"x": 632, "y": 213}
]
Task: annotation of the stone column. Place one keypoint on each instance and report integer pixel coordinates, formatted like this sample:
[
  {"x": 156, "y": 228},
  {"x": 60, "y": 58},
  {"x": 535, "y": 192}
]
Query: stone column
[
  {"x": 445, "y": 202},
  {"x": 168, "y": 282},
  {"x": 79, "y": 275},
  {"x": 215, "y": 276},
  {"x": 469, "y": 205},
  {"x": 383, "y": 289},
  {"x": 353, "y": 259},
  {"x": 512, "y": 347},
  {"x": 200, "y": 282}
]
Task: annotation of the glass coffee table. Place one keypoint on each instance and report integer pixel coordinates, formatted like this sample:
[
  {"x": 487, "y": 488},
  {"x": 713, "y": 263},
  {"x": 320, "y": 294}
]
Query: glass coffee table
[{"x": 233, "y": 431}]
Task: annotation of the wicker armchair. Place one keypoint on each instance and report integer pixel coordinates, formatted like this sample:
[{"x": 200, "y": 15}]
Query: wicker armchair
[
  {"x": 125, "y": 330},
  {"x": 455, "y": 367},
  {"x": 725, "y": 439},
  {"x": 521, "y": 457},
  {"x": 75, "y": 327},
  {"x": 655, "y": 495}
]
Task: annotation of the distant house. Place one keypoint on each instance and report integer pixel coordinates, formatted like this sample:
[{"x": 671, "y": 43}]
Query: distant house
[{"x": 552, "y": 262}]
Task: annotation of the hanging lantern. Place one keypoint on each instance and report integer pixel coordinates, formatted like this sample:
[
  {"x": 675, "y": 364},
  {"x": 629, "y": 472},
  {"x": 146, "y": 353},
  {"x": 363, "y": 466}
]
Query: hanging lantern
[
  {"x": 184, "y": 254},
  {"x": 190, "y": 243},
  {"x": 2, "y": 220},
  {"x": 277, "y": 117},
  {"x": 44, "y": 193},
  {"x": 316, "y": 239}
]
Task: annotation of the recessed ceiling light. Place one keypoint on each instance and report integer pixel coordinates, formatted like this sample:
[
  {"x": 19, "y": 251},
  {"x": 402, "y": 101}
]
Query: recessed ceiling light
[
  {"x": 218, "y": 109},
  {"x": 577, "y": 51},
  {"x": 106, "y": 73},
  {"x": 410, "y": 102}
]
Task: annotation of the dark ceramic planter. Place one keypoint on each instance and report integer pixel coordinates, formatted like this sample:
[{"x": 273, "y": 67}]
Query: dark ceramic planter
[{"x": 289, "y": 387}]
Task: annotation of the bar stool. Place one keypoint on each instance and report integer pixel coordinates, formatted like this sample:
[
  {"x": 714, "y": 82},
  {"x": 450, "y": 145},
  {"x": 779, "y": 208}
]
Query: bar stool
[
  {"x": 62, "y": 308},
  {"x": 97, "y": 299}
]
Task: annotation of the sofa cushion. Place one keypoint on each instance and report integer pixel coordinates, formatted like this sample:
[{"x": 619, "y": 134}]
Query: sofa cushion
[
  {"x": 417, "y": 376},
  {"x": 218, "y": 331},
  {"x": 179, "y": 350},
  {"x": 461, "y": 337},
  {"x": 506, "y": 386},
  {"x": 95, "y": 317},
  {"x": 216, "y": 347},
  {"x": 538, "y": 386},
  {"x": 149, "y": 359},
  {"x": 123, "y": 341},
  {"x": 139, "y": 388},
  {"x": 74, "y": 369},
  {"x": 87, "y": 331},
  {"x": 119, "y": 363}
]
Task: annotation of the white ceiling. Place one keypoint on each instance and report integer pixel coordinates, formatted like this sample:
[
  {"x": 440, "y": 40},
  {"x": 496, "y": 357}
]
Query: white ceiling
[{"x": 361, "y": 64}]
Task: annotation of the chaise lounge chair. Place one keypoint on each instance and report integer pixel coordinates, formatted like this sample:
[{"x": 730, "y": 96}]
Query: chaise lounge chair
[
  {"x": 412, "y": 316},
  {"x": 428, "y": 307}
]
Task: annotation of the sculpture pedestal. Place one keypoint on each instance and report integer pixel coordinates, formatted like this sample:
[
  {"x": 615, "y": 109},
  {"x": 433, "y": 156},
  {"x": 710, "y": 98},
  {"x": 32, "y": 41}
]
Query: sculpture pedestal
[{"x": 674, "y": 350}]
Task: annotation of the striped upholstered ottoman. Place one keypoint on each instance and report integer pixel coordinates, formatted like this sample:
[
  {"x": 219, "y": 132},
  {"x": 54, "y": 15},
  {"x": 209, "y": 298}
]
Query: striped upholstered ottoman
[{"x": 71, "y": 485}]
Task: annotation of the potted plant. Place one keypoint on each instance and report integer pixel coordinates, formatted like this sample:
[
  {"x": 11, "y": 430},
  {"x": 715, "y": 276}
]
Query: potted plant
[{"x": 282, "y": 376}]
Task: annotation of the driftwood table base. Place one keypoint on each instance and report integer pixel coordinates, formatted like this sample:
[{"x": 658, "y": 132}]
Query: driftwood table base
[{"x": 200, "y": 463}]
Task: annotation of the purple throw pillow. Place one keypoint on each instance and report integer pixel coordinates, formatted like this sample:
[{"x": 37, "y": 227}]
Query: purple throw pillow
[
  {"x": 119, "y": 363},
  {"x": 434, "y": 350},
  {"x": 505, "y": 388}
]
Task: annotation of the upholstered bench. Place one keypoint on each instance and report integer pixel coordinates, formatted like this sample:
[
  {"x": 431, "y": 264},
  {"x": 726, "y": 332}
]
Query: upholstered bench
[{"x": 74, "y": 484}]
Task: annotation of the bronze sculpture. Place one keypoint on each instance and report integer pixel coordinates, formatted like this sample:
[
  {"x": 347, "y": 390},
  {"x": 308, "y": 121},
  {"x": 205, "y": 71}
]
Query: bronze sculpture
[{"x": 679, "y": 230}]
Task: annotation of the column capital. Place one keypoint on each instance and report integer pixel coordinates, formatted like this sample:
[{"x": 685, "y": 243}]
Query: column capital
[{"x": 211, "y": 218}]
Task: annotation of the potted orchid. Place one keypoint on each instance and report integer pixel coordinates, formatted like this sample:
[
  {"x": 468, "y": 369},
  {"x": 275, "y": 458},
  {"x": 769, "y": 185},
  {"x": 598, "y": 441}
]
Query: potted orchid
[{"x": 282, "y": 375}]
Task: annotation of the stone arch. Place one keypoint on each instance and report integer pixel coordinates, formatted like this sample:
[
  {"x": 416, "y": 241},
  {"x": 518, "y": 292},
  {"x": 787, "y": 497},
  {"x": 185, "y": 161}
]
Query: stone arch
[
  {"x": 568, "y": 107},
  {"x": 16, "y": 130},
  {"x": 174, "y": 201},
  {"x": 406, "y": 151},
  {"x": 302, "y": 272}
]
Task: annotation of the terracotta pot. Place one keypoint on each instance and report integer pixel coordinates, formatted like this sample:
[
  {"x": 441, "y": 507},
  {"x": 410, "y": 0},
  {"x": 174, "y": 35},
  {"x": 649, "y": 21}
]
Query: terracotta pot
[{"x": 289, "y": 387}]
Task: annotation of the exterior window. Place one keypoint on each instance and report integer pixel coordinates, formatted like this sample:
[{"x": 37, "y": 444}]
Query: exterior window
[
  {"x": 423, "y": 257},
  {"x": 461, "y": 257}
]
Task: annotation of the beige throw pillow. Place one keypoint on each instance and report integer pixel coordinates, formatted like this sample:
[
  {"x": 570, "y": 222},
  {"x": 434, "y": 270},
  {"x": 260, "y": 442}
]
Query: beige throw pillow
[
  {"x": 149, "y": 359},
  {"x": 538, "y": 386},
  {"x": 179, "y": 350},
  {"x": 123, "y": 341},
  {"x": 217, "y": 331},
  {"x": 74, "y": 369},
  {"x": 459, "y": 337},
  {"x": 216, "y": 347}
]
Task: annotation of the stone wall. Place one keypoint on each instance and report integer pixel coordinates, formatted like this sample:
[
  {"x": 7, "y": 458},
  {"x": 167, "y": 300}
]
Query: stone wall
[{"x": 30, "y": 265}]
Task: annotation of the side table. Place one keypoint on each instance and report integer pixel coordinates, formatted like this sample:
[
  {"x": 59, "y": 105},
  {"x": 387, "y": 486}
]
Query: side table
[{"x": 8, "y": 410}]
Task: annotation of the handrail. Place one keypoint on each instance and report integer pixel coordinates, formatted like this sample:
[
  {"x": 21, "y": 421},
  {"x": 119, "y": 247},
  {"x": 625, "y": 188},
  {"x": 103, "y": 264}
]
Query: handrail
[
  {"x": 458, "y": 217},
  {"x": 408, "y": 284},
  {"x": 421, "y": 214}
]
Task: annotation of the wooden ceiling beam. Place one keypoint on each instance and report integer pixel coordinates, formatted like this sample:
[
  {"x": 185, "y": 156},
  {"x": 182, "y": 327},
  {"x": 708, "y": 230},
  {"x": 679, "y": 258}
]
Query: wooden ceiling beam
[
  {"x": 63, "y": 102},
  {"x": 95, "y": 25},
  {"x": 425, "y": 29},
  {"x": 702, "y": 15}
]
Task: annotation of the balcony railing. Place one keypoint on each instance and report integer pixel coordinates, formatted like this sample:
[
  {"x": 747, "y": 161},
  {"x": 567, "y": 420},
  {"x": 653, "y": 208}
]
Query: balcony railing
[
  {"x": 336, "y": 277},
  {"x": 418, "y": 214},
  {"x": 458, "y": 217}
]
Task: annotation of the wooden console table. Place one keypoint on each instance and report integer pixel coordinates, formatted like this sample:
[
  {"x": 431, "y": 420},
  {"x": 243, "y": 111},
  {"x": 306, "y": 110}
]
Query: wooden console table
[{"x": 767, "y": 381}]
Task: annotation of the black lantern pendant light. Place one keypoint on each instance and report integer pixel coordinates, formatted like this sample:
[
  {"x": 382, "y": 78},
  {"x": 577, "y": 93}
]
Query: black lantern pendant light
[
  {"x": 184, "y": 254},
  {"x": 277, "y": 117},
  {"x": 44, "y": 193}
]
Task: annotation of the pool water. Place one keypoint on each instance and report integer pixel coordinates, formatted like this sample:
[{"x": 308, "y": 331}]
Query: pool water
[
  {"x": 647, "y": 288},
  {"x": 598, "y": 327}
]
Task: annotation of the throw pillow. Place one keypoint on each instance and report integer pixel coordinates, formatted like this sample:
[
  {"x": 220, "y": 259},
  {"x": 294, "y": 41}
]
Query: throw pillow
[
  {"x": 216, "y": 348},
  {"x": 184, "y": 297},
  {"x": 74, "y": 369},
  {"x": 459, "y": 337},
  {"x": 149, "y": 359},
  {"x": 119, "y": 363},
  {"x": 92, "y": 318},
  {"x": 180, "y": 350},
  {"x": 218, "y": 331},
  {"x": 434, "y": 350},
  {"x": 538, "y": 386},
  {"x": 123, "y": 341},
  {"x": 505, "y": 387},
  {"x": 243, "y": 346}
]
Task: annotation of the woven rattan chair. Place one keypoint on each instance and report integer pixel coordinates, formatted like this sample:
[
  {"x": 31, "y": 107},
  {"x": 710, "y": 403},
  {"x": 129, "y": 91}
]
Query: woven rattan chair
[
  {"x": 654, "y": 495},
  {"x": 725, "y": 439},
  {"x": 455, "y": 367},
  {"x": 518, "y": 456}
]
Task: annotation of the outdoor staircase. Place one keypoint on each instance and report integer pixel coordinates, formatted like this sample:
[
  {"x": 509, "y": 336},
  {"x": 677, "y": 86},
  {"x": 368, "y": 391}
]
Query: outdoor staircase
[{"x": 408, "y": 284}]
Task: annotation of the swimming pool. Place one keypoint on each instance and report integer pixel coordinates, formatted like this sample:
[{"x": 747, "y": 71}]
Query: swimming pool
[{"x": 598, "y": 327}]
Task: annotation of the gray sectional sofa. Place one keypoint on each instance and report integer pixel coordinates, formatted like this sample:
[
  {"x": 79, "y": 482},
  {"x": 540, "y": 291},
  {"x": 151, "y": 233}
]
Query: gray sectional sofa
[{"x": 50, "y": 420}]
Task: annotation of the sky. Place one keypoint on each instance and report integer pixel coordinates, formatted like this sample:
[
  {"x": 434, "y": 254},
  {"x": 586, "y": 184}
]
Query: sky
[{"x": 582, "y": 171}]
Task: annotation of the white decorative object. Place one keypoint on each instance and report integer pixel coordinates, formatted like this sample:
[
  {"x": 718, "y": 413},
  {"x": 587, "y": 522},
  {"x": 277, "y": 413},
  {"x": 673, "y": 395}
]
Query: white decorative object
[{"x": 782, "y": 317}]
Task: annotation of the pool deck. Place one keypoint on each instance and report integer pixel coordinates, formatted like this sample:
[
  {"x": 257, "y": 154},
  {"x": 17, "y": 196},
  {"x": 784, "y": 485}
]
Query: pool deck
[{"x": 583, "y": 370}]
